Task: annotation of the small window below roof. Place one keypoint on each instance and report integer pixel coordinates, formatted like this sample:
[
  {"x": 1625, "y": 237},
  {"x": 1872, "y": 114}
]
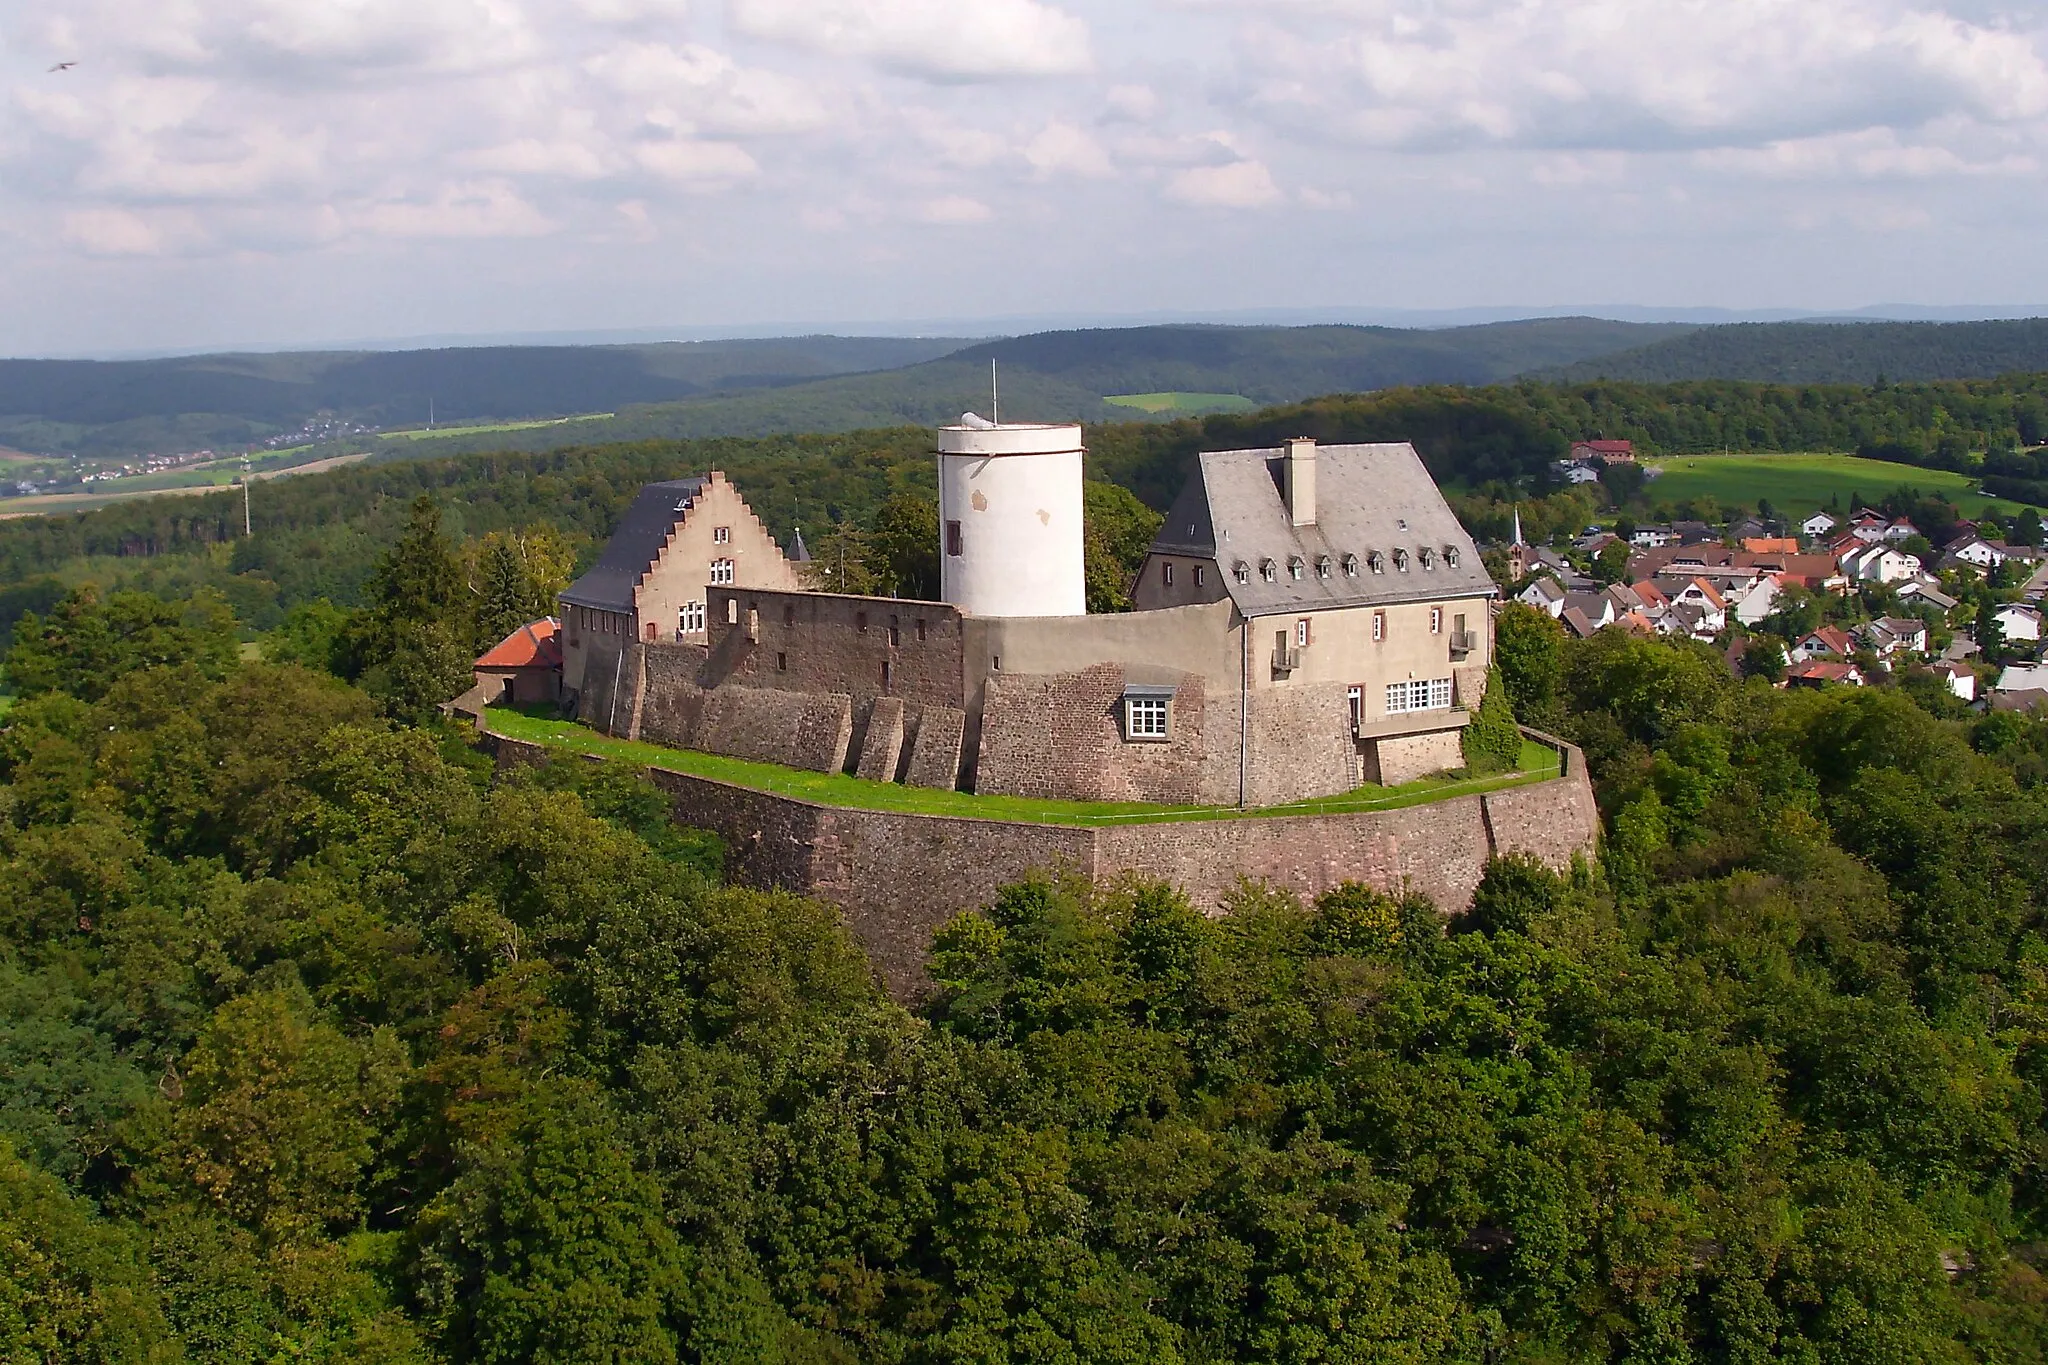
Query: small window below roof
[
  {"x": 1322, "y": 566},
  {"x": 1427, "y": 557},
  {"x": 1295, "y": 567},
  {"x": 1400, "y": 559},
  {"x": 1351, "y": 566},
  {"x": 1451, "y": 556},
  {"x": 1269, "y": 571},
  {"x": 1376, "y": 561},
  {"x": 1243, "y": 572}
]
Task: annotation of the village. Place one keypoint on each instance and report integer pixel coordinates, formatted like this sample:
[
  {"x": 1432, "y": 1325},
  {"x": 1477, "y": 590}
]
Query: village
[{"x": 1853, "y": 598}]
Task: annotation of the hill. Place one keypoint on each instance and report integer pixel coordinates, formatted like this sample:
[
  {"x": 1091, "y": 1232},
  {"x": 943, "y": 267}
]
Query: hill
[
  {"x": 1827, "y": 353},
  {"x": 1067, "y": 376}
]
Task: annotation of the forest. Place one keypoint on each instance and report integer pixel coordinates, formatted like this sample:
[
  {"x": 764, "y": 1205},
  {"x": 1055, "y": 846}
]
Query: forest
[
  {"x": 1828, "y": 353},
  {"x": 327, "y": 1039}
]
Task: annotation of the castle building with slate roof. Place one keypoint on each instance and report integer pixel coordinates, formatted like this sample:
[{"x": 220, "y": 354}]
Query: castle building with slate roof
[{"x": 1310, "y": 619}]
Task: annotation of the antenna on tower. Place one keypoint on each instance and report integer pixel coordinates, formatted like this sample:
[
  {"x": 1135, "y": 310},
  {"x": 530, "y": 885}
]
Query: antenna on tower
[{"x": 995, "y": 404}]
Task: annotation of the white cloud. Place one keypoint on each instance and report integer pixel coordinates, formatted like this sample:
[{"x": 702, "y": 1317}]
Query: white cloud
[
  {"x": 114, "y": 232},
  {"x": 955, "y": 210},
  {"x": 482, "y": 208},
  {"x": 701, "y": 165},
  {"x": 942, "y": 39},
  {"x": 706, "y": 89},
  {"x": 1063, "y": 149},
  {"x": 1240, "y": 185}
]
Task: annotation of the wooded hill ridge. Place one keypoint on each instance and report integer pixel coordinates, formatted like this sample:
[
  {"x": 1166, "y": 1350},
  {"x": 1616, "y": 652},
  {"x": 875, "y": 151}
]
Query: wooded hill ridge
[{"x": 678, "y": 391}]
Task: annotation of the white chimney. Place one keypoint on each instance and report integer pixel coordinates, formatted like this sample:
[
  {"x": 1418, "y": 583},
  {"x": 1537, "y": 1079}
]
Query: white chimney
[{"x": 1299, "y": 475}]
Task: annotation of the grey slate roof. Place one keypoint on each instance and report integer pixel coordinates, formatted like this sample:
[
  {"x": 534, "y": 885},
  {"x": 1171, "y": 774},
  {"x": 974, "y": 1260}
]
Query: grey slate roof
[
  {"x": 1370, "y": 500},
  {"x": 799, "y": 553},
  {"x": 632, "y": 550}
]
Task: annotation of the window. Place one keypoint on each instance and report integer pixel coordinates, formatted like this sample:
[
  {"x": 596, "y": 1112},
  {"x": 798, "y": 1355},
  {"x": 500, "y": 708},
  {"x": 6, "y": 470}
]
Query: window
[
  {"x": 789, "y": 613},
  {"x": 1451, "y": 555},
  {"x": 1401, "y": 560},
  {"x": 895, "y": 633},
  {"x": 1269, "y": 571},
  {"x": 1436, "y": 620},
  {"x": 721, "y": 571},
  {"x": 1421, "y": 694},
  {"x": 860, "y": 622},
  {"x": 721, "y": 535},
  {"x": 1323, "y": 567},
  {"x": 1379, "y": 626},
  {"x": 1351, "y": 566},
  {"x": 1295, "y": 568},
  {"x": 781, "y": 662},
  {"x": 1201, "y": 575},
  {"x": 920, "y": 630},
  {"x": 1166, "y": 573},
  {"x": 885, "y": 673},
  {"x": 1243, "y": 571},
  {"x": 1356, "y": 697},
  {"x": 732, "y": 611},
  {"x": 651, "y": 628},
  {"x": 692, "y": 618},
  {"x": 1301, "y": 633},
  {"x": 1145, "y": 717},
  {"x": 953, "y": 538},
  {"x": 1376, "y": 561},
  {"x": 1427, "y": 557}
]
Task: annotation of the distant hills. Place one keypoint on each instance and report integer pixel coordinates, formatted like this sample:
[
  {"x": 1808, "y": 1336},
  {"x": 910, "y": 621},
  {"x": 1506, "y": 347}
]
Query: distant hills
[
  {"x": 828, "y": 384},
  {"x": 1827, "y": 353}
]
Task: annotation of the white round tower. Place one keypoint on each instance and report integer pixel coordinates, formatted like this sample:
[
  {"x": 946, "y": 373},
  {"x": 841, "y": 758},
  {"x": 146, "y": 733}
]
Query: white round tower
[{"x": 1010, "y": 519}]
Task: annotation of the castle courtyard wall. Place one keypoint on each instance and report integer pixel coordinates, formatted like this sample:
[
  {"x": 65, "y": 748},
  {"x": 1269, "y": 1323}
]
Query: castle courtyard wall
[{"x": 896, "y": 877}]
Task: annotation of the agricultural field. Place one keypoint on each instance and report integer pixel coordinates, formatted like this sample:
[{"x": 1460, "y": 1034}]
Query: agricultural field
[
  {"x": 1798, "y": 484},
  {"x": 1181, "y": 404},
  {"x": 433, "y": 433}
]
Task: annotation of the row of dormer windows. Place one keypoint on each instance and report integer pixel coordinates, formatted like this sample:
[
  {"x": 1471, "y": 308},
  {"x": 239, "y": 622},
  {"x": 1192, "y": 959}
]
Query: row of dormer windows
[{"x": 1375, "y": 561}]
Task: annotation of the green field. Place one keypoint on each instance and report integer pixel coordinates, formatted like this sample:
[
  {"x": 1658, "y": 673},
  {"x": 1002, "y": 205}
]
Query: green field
[
  {"x": 435, "y": 433},
  {"x": 836, "y": 789},
  {"x": 1798, "y": 484},
  {"x": 1182, "y": 404}
]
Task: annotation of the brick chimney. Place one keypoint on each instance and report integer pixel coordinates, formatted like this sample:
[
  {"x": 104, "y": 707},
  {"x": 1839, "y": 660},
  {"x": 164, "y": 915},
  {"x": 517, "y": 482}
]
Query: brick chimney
[{"x": 1299, "y": 480}]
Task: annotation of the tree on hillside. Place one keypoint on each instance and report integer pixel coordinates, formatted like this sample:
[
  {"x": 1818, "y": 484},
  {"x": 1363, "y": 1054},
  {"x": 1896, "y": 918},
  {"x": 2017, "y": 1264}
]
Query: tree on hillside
[
  {"x": 905, "y": 545},
  {"x": 412, "y": 649},
  {"x": 1492, "y": 743},
  {"x": 1624, "y": 481},
  {"x": 1528, "y": 648},
  {"x": 514, "y": 578},
  {"x": 87, "y": 642},
  {"x": 1611, "y": 564},
  {"x": 1119, "y": 534}
]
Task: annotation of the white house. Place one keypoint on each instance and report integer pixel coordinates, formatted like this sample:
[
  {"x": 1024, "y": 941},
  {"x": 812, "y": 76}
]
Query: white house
[
  {"x": 1652, "y": 537},
  {"x": 1900, "y": 530},
  {"x": 1545, "y": 594},
  {"x": 2022, "y": 678},
  {"x": 1961, "y": 681},
  {"x": 1879, "y": 563},
  {"x": 1758, "y": 599},
  {"x": 1918, "y": 590},
  {"x": 1817, "y": 525},
  {"x": 1889, "y": 635},
  {"x": 2018, "y": 621},
  {"x": 1975, "y": 550}
]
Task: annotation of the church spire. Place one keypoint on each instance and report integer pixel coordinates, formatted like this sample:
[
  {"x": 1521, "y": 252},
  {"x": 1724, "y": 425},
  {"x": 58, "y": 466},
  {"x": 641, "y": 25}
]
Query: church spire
[{"x": 1518, "y": 525}]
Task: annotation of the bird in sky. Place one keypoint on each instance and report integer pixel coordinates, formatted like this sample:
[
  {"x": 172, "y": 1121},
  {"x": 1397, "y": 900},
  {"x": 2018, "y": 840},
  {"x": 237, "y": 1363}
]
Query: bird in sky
[{"x": 63, "y": 66}]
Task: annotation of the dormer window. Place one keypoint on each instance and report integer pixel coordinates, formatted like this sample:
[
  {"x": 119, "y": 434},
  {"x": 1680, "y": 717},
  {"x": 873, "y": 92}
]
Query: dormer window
[
  {"x": 1351, "y": 566},
  {"x": 1242, "y": 572},
  {"x": 1451, "y": 556},
  {"x": 1295, "y": 567},
  {"x": 1401, "y": 560},
  {"x": 1323, "y": 566},
  {"x": 1427, "y": 557},
  {"x": 1269, "y": 571},
  {"x": 1376, "y": 561}
]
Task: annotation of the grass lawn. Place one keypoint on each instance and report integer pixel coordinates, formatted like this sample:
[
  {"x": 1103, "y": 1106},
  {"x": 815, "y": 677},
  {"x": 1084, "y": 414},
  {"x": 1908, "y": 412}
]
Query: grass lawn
[
  {"x": 837, "y": 789},
  {"x": 1799, "y": 484},
  {"x": 1182, "y": 404},
  {"x": 432, "y": 433}
]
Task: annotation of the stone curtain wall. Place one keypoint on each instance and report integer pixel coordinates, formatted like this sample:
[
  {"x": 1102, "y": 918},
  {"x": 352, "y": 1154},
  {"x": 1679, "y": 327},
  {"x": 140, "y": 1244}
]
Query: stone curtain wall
[
  {"x": 1061, "y": 736},
  {"x": 1301, "y": 745},
  {"x": 897, "y": 877},
  {"x": 816, "y": 642},
  {"x": 1403, "y": 758}
]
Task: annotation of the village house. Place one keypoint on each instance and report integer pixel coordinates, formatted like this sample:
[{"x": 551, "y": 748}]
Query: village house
[
  {"x": 1879, "y": 563},
  {"x": 2019, "y": 622},
  {"x": 1604, "y": 452},
  {"x": 1756, "y": 600},
  {"x": 2020, "y": 686},
  {"x": 1821, "y": 673},
  {"x": 1960, "y": 681},
  {"x": 1889, "y": 635},
  {"x": 1817, "y": 525},
  {"x": 1921, "y": 592},
  {"x": 1829, "y": 642},
  {"x": 523, "y": 668}
]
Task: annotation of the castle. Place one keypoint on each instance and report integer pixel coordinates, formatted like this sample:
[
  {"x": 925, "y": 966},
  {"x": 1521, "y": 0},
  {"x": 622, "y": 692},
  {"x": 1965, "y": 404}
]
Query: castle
[{"x": 1309, "y": 619}]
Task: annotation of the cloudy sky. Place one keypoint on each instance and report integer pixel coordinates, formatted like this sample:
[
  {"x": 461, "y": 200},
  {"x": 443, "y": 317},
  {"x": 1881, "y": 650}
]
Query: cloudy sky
[{"x": 289, "y": 171}]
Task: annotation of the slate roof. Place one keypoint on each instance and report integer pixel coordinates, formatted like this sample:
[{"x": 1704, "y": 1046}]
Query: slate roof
[
  {"x": 537, "y": 644},
  {"x": 799, "y": 553},
  {"x": 1371, "y": 501},
  {"x": 633, "y": 548}
]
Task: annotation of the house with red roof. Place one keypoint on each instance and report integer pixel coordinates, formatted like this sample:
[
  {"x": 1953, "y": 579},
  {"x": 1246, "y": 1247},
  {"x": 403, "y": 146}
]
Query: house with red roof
[
  {"x": 525, "y": 666},
  {"x": 1606, "y": 452},
  {"x": 1827, "y": 642},
  {"x": 1821, "y": 672}
]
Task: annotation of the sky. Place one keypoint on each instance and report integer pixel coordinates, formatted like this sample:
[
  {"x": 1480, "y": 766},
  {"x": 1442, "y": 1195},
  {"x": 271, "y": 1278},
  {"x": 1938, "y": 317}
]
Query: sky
[{"x": 287, "y": 172}]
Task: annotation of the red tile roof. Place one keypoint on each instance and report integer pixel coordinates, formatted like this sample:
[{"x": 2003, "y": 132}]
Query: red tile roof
[{"x": 536, "y": 645}]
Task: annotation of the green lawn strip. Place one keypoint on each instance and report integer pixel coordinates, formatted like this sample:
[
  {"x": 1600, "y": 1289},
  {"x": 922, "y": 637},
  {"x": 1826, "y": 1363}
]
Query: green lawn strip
[
  {"x": 1798, "y": 484},
  {"x": 1539, "y": 764},
  {"x": 432, "y": 433},
  {"x": 1182, "y": 402}
]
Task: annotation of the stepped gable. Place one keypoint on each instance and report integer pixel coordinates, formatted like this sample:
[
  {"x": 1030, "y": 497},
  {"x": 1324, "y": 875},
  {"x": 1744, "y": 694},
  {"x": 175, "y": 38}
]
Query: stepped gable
[{"x": 634, "y": 547}]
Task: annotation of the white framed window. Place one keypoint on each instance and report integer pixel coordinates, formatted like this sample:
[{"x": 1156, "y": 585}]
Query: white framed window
[
  {"x": 1269, "y": 571},
  {"x": 1201, "y": 575},
  {"x": 1166, "y": 573},
  {"x": 1419, "y": 694},
  {"x": 692, "y": 618},
  {"x": 1243, "y": 572},
  {"x": 1436, "y": 620},
  {"x": 721, "y": 535},
  {"x": 1301, "y": 633},
  {"x": 1379, "y": 626},
  {"x": 1355, "y": 696},
  {"x": 721, "y": 571},
  {"x": 1145, "y": 717},
  {"x": 1295, "y": 567}
]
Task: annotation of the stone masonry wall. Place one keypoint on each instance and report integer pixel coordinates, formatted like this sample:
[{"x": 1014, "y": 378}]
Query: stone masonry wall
[
  {"x": 1301, "y": 745},
  {"x": 1061, "y": 736},
  {"x": 935, "y": 750},
  {"x": 1403, "y": 758},
  {"x": 824, "y": 642}
]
